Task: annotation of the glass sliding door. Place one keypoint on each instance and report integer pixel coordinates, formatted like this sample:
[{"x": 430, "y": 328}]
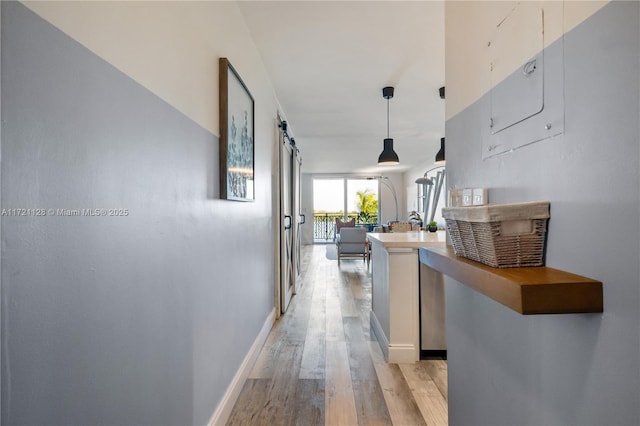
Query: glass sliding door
[
  {"x": 344, "y": 199},
  {"x": 328, "y": 204}
]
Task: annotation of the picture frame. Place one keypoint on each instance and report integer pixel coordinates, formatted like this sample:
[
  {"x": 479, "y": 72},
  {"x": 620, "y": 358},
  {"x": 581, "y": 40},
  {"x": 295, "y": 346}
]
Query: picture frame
[{"x": 237, "y": 136}]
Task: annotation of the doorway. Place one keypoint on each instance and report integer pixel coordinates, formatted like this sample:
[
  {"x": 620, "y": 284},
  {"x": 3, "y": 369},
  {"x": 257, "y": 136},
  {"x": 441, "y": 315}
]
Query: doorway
[{"x": 343, "y": 198}]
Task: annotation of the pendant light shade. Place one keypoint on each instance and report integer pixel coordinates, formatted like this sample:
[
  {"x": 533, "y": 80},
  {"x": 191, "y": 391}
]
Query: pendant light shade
[
  {"x": 440, "y": 154},
  {"x": 388, "y": 155}
]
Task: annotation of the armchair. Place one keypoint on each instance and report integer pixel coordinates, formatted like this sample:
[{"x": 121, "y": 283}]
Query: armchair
[
  {"x": 341, "y": 224},
  {"x": 352, "y": 243}
]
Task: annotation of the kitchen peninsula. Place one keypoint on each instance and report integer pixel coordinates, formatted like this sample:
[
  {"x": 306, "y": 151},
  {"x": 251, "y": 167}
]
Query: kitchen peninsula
[{"x": 395, "y": 294}]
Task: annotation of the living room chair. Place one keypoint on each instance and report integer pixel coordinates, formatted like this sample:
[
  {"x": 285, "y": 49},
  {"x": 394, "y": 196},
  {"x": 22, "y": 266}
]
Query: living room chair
[
  {"x": 352, "y": 243},
  {"x": 341, "y": 224}
]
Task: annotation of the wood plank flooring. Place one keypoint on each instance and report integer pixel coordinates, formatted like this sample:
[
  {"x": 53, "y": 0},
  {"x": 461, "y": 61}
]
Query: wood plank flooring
[{"x": 321, "y": 366}]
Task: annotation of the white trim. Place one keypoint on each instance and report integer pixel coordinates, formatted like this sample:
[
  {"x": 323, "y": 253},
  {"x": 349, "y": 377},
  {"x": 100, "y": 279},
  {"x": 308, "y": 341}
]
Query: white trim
[
  {"x": 393, "y": 354},
  {"x": 380, "y": 336},
  {"x": 402, "y": 354},
  {"x": 223, "y": 411}
]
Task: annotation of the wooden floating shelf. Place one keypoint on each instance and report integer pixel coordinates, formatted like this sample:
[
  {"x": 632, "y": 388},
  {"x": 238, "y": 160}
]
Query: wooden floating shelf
[{"x": 537, "y": 290}]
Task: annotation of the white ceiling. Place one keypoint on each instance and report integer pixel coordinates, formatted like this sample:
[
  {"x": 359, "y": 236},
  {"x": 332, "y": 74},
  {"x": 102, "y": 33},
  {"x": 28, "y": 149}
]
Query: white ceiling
[{"x": 328, "y": 62}]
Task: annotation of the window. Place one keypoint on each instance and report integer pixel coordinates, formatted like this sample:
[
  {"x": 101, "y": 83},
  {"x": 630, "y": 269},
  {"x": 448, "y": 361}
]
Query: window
[{"x": 343, "y": 198}]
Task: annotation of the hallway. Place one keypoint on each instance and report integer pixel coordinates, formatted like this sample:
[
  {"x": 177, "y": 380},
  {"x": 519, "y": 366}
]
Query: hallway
[{"x": 320, "y": 365}]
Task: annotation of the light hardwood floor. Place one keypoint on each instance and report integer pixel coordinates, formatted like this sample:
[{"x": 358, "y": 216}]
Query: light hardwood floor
[{"x": 321, "y": 366}]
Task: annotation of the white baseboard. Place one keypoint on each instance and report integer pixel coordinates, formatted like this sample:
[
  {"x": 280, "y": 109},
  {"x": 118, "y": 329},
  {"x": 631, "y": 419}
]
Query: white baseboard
[
  {"x": 222, "y": 413},
  {"x": 380, "y": 336},
  {"x": 402, "y": 354},
  {"x": 393, "y": 354}
]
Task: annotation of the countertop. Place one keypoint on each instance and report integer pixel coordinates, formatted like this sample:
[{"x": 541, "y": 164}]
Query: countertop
[{"x": 408, "y": 239}]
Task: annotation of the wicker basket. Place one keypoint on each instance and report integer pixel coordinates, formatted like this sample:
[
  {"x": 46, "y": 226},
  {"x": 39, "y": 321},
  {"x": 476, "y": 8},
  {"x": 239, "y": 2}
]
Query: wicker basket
[{"x": 499, "y": 235}]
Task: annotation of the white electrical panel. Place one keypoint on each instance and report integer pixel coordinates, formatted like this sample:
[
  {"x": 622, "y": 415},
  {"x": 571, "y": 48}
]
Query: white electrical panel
[
  {"x": 520, "y": 95},
  {"x": 526, "y": 100}
]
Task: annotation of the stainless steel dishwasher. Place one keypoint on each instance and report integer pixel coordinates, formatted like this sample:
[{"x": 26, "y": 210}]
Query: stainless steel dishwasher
[{"x": 433, "y": 329}]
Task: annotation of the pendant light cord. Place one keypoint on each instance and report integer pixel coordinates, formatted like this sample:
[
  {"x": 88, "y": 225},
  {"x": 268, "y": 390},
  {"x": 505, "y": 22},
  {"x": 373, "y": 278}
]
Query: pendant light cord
[{"x": 387, "y": 118}]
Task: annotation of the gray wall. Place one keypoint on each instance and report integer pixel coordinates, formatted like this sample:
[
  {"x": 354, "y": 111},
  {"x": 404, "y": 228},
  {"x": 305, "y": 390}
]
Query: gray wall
[
  {"x": 505, "y": 368},
  {"x": 138, "y": 319}
]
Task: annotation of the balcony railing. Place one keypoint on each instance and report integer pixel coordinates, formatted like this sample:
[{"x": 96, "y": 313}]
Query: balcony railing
[{"x": 324, "y": 224}]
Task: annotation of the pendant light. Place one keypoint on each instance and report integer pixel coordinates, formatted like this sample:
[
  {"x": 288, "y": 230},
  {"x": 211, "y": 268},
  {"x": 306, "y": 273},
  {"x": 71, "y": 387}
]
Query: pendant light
[
  {"x": 440, "y": 154},
  {"x": 388, "y": 155}
]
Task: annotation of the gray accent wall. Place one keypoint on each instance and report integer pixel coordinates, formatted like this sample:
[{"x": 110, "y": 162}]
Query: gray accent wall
[
  {"x": 141, "y": 318},
  {"x": 580, "y": 369}
]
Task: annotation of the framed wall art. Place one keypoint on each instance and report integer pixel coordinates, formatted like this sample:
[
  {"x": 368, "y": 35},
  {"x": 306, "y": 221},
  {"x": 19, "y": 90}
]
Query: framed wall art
[{"x": 237, "y": 143}]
